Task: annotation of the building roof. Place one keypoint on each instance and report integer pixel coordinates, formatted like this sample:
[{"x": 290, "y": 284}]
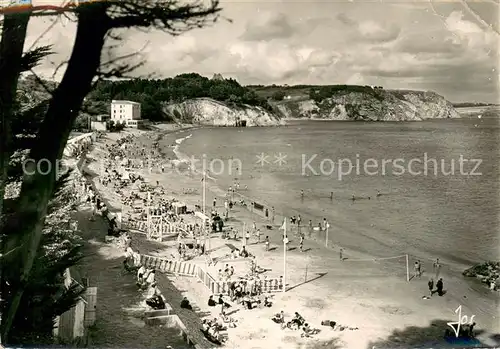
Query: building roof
[
  {"x": 218, "y": 77},
  {"x": 123, "y": 102}
]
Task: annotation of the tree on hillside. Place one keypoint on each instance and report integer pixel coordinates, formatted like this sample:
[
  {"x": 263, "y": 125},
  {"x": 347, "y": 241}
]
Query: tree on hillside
[
  {"x": 23, "y": 225},
  {"x": 278, "y": 95}
]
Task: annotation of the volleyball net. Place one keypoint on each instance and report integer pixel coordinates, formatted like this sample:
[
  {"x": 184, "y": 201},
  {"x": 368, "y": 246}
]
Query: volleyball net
[
  {"x": 383, "y": 266},
  {"x": 403, "y": 265}
]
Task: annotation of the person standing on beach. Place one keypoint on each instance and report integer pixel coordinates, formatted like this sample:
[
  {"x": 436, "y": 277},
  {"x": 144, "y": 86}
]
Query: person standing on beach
[
  {"x": 267, "y": 243},
  {"x": 417, "y": 268},
  {"x": 437, "y": 268},
  {"x": 298, "y": 220},
  {"x": 247, "y": 238},
  {"x": 301, "y": 243},
  {"x": 215, "y": 202},
  {"x": 310, "y": 227},
  {"x": 272, "y": 209},
  {"x": 439, "y": 287},
  {"x": 258, "y": 236},
  {"x": 226, "y": 209},
  {"x": 301, "y": 194},
  {"x": 341, "y": 254},
  {"x": 430, "y": 284}
]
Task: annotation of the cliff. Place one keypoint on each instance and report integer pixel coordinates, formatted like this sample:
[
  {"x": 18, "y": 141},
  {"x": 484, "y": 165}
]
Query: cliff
[
  {"x": 206, "y": 111},
  {"x": 379, "y": 105}
]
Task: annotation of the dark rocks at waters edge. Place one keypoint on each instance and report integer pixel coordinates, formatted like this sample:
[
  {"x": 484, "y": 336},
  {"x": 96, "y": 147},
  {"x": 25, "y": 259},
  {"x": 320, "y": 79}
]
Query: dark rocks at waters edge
[{"x": 487, "y": 273}]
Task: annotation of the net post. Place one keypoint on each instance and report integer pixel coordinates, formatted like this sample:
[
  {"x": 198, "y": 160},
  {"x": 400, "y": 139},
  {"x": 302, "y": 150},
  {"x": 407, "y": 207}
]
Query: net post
[
  {"x": 148, "y": 224},
  {"x": 326, "y": 235},
  {"x": 407, "y": 269}
]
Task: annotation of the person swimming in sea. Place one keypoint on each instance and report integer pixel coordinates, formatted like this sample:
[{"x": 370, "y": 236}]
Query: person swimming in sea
[
  {"x": 378, "y": 193},
  {"x": 353, "y": 198}
]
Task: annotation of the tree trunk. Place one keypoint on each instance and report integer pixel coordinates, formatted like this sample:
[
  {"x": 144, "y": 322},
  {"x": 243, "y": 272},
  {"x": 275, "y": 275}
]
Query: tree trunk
[
  {"x": 11, "y": 51},
  {"x": 25, "y": 227}
]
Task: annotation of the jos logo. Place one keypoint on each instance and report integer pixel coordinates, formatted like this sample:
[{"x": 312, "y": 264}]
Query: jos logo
[{"x": 462, "y": 320}]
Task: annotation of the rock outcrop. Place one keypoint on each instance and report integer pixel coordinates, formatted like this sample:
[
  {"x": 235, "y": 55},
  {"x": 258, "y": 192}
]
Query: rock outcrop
[
  {"x": 384, "y": 105},
  {"x": 488, "y": 273},
  {"x": 206, "y": 111}
]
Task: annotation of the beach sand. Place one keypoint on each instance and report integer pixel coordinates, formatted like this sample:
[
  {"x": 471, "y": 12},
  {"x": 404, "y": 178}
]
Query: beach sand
[{"x": 388, "y": 310}]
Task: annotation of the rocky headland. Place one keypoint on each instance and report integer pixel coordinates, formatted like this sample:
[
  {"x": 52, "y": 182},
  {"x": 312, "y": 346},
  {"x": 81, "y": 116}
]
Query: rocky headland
[{"x": 383, "y": 105}]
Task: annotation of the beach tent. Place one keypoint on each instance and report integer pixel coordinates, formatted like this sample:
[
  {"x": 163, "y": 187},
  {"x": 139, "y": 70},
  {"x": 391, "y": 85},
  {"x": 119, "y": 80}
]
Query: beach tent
[
  {"x": 179, "y": 207},
  {"x": 201, "y": 216},
  {"x": 126, "y": 176}
]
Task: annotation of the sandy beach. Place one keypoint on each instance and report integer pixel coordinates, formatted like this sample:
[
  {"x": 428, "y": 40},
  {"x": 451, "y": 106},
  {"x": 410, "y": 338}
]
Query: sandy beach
[{"x": 356, "y": 292}]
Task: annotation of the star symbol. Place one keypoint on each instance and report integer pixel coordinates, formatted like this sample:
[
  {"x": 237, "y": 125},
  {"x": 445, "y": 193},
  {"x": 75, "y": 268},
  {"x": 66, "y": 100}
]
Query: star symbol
[
  {"x": 280, "y": 159},
  {"x": 262, "y": 159}
]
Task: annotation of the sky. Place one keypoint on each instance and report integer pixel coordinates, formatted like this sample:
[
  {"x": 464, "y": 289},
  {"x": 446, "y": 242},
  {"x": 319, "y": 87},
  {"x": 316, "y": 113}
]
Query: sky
[{"x": 450, "y": 47}]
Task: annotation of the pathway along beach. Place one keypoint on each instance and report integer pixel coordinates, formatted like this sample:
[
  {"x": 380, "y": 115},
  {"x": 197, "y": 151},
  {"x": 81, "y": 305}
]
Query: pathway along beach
[{"x": 372, "y": 296}]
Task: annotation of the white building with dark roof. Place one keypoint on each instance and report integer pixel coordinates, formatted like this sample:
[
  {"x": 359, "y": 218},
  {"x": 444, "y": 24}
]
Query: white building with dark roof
[{"x": 126, "y": 112}]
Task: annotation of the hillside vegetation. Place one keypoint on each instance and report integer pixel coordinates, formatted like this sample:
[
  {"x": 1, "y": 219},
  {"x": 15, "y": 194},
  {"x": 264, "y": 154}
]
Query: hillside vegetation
[{"x": 155, "y": 94}]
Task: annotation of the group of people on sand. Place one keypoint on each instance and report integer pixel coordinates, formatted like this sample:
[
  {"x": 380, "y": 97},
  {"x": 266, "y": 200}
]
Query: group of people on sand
[
  {"x": 439, "y": 284},
  {"x": 146, "y": 280},
  {"x": 96, "y": 204},
  {"x": 248, "y": 293},
  {"x": 145, "y": 277},
  {"x": 296, "y": 323},
  {"x": 227, "y": 274},
  {"x": 212, "y": 330}
]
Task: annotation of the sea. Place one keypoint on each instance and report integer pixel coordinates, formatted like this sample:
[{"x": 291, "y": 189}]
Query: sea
[{"x": 429, "y": 189}]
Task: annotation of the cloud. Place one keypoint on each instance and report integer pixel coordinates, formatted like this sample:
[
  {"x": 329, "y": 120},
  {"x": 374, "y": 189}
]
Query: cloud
[
  {"x": 470, "y": 33},
  {"x": 269, "y": 26},
  {"x": 369, "y": 30},
  {"x": 461, "y": 58},
  {"x": 328, "y": 43},
  {"x": 342, "y": 18},
  {"x": 430, "y": 43},
  {"x": 376, "y": 32},
  {"x": 279, "y": 61}
]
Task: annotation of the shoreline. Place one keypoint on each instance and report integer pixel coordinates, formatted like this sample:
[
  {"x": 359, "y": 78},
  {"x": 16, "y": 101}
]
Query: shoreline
[{"x": 369, "y": 294}]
